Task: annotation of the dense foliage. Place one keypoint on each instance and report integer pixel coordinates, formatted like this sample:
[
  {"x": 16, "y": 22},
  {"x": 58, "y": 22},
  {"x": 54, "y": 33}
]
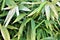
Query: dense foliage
[{"x": 29, "y": 19}]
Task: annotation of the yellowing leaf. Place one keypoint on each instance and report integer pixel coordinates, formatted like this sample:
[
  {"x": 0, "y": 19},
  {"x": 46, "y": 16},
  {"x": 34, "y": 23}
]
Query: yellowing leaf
[
  {"x": 11, "y": 27},
  {"x": 4, "y": 33},
  {"x": 54, "y": 10},
  {"x": 37, "y": 10},
  {"x": 22, "y": 27}
]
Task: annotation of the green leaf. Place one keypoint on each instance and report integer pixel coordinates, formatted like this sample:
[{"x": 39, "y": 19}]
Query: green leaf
[
  {"x": 14, "y": 39},
  {"x": 23, "y": 8},
  {"x": 39, "y": 24},
  {"x": 10, "y": 3},
  {"x": 39, "y": 31},
  {"x": 11, "y": 27},
  {"x": 54, "y": 10},
  {"x": 58, "y": 3},
  {"x": 49, "y": 38},
  {"x": 28, "y": 32},
  {"x": 57, "y": 8},
  {"x": 37, "y": 10},
  {"x": 33, "y": 31},
  {"x": 22, "y": 27},
  {"x": 48, "y": 24},
  {"x": 19, "y": 17},
  {"x": 4, "y": 33},
  {"x": 3, "y": 4},
  {"x": 0, "y": 1},
  {"x": 3, "y": 14}
]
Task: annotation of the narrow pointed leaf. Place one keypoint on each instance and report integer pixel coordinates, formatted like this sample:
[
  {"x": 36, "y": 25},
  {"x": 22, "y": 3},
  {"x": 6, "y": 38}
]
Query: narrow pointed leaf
[
  {"x": 54, "y": 10},
  {"x": 33, "y": 31},
  {"x": 9, "y": 16},
  {"x": 19, "y": 17},
  {"x": 39, "y": 24},
  {"x": 49, "y": 38},
  {"x": 3, "y": 4},
  {"x": 47, "y": 9},
  {"x": 17, "y": 11},
  {"x": 10, "y": 3},
  {"x": 4, "y": 33},
  {"x": 23, "y": 8},
  {"x": 28, "y": 33},
  {"x": 11, "y": 27},
  {"x": 22, "y": 27}
]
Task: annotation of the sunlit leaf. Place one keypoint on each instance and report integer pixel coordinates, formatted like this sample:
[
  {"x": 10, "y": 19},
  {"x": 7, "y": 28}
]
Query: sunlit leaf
[
  {"x": 54, "y": 10},
  {"x": 49, "y": 38},
  {"x": 4, "y": 33},
  {"x": 9, "y": 16},
  {"x": 30, "y": 2},
  {"x": 47, "y": 9},
  {"x": 58, "y": 3},
  {"x": 17, "y": 10},
  {"x": 23, "y": 8}
]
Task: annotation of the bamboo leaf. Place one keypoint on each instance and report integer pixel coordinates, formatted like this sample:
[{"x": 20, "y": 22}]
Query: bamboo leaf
[
  {"x": 54, "y": 10},
  {"x": 3, "y": 4},
  {"x": 11, "y": 27},
  {"x": 33, "y": 31},
  {"x": 39, "y": 34},
  {"x": 37, "y": 10},
  {"x": 10, "y": 3},
  {"x": 58, "y": 3},
  {"x": 9, "y": 16},
  {"x": 4, "y": 33},
  {"x": 29, "y": 33},
  {"x": 49, "y": 38},
  {"x": 19, "y": 17},
  {"x": 39, "y": 24},
  {"x": 22, "y": 27},
  {"x": 23, "y": 8},
  {"x": 14, "y": 39},
  {"x": 47, "y": 9},
  {"x": 3, "y": 14},
  {"x": 17, "y": 10}
]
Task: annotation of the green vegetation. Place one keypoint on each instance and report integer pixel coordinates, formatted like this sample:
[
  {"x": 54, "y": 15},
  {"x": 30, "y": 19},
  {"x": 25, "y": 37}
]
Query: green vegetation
[{"x": 29, "y": 19}]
